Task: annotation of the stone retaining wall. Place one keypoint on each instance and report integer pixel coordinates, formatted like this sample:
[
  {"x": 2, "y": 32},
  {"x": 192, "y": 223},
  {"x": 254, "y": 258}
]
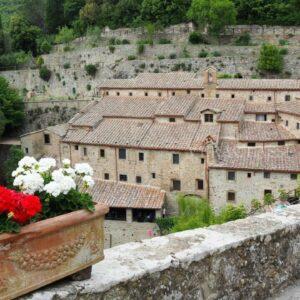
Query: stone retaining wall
[{"x": 247, "y": 259}]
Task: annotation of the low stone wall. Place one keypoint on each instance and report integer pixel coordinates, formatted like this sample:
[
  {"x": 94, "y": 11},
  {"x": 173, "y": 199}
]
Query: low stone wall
[{"x": 247, "y": 259}]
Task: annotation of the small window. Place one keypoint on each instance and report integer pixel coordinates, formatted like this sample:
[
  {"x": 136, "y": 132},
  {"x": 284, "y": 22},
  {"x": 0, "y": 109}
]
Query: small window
[
  {"x": 122, "y": 153},
  {"x": 173, "y": 93},
  {"x": 102, "y": 153},
  {"x": 200, "y": 184},
  {"x": 231, "y": 196},
  {"x": 202, "y": 95},
  {"x": 294, "y": 176},
  {"x": 208, "y": 118},
  {"x": 85, "y": 152},
  {"x": 232, "y": 96},
  {"x": 176, "y": 185},
  {"x": 172, "y": 120},
  {"x": 188, "y": 92},
  {"x": 76, "y": 147},
  {"x": 298, "y": 126},
  {"x": 107, "y": 93},
  {"x": 159, "y": 94},
  {"x": 26, "y": 150},
  {"x": 231, "y": 175},
  {"x": 251, "y": 144},
  {"x": 217, "y": 95},
  {"x": 281, "y": 143},
  {"x": 261, "y": 117},
  {"x": 267, "y": 175},
  {"x": 202, "y": 161},
  {"x": 287, "y": 97},
  {"x": 249, "y": 175},
  {"x": 130, "y": 94},
  {"x": 138, "y": 179},
  {"x": 273, "y": 120},
  {"x": 118, "y": 93},
  {"x": 106, "y": 176},
  {"x": 267, "y": 192},
  {"x": 123, "y": 177},
  {"x": 251, "y": 97},
  {"x": 141, "y": 156},
  {"x": 286, "y": 123},
  {"x": 269, "y": 98},
  {"x": 146, "y": 94},
  {"x": 153, "y": 175},
  {"x": 175, "y": 159},
  {"x": 47, "y": 139}
]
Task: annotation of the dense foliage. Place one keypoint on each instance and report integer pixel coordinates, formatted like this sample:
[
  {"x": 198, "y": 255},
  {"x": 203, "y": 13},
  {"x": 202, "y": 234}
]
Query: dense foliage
[
  {"x": 195, "y": 213},
  {"x": 11, "y": 108}
]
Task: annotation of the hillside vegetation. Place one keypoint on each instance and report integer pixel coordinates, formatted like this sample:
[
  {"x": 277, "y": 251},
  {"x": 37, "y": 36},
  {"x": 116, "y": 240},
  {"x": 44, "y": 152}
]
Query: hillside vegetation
[{"x": 8, "y": 8}]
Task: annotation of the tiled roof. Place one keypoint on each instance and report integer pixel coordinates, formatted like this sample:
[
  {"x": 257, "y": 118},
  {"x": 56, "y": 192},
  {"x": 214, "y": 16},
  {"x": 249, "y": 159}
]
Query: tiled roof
[
  {"x": 118, "y": 132},
  {"x": 259, "y": 84},
  {"x": 146, "y": 134},
  {"x": 60, "y": 129},
  {"x": 176, "y": 106},
  {"x": 124, "y": 195},
  {"x": 116, "y": 106},
  {"x": 263, "y": 132},
  {"x": 280, "y": 159},
  {"x": 289, "y": 107},
  {"x": 253, "y": 108},
  {"x": 185, "y": 80},
  {"x": 230, "y": 110}
]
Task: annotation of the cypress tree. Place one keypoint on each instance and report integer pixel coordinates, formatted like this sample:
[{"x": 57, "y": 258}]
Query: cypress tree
[{"x": 54, "y": 15}]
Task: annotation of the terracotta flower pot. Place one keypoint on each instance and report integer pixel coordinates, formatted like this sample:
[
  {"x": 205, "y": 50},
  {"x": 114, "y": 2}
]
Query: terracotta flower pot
[{"x": 49, "y": 250}]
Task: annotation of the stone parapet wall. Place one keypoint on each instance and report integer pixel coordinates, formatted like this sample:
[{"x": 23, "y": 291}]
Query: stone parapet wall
[{"x": 247, "y": 259}]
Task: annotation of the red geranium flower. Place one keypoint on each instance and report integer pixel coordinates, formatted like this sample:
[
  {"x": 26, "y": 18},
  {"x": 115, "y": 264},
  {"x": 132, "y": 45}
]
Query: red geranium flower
[{"x": 19, "y": 206}]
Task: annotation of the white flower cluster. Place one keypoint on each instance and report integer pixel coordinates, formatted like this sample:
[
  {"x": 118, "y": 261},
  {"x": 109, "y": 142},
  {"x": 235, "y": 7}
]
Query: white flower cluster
[{"x": 31, "y": 176}]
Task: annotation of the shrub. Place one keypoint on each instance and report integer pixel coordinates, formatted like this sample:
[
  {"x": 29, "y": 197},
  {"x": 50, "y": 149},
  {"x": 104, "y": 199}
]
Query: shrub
[
  {"x": 232, "y": 213},
  {"x": 243, "y": 40},
  {"x": 270, "y": 59},
  {"x": 238, "y": 75},
  {"x": 88, "y": 87},
  {"x": 166, "y": 224},
  {"x": 140, "y": 48},
  {"x": 74, "y": 90},
  {"x": 67, "y": 65},
  {"x": 125, "y": 42},
  {"x": 164, "y": 41},
  {"x": 197, "y": 38},
  {"x": 202, "y": 54},
  {"x": 111, "y": 48},
  {"x": 67, "y": 48},
  {"x": 160, "y": 57},
  {"x": 284, "y": 51},
  {"x": 216, "y": 54},
  {"x": 185, "y": 53},
  {"x": 269, "y": 199},
  {"x": 65, "y": 35},
  {"x": 283, "y": 42},
  {"x": 13, "y": 60},
  {"x": 256, "y": 204},
  {"x": 145, "y": 42},
  {"x": 39, "y": 61},
  {"x": 91, "y": 70},
  {"x": 45, "y": 73},
  {"x": 172, "y": 56},
  {"x": 45, "y": 47},
  {"x": 224, "y": 75},
  {"x": 131, "y": 57},
  {"x": 142, "y": 66}
]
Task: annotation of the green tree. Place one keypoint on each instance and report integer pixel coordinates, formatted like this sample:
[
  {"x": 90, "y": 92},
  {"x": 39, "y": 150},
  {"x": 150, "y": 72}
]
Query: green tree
[
  {"x": 90, "y": 13},
  {"x": 72, "y": 9},
  {"x": 2, "y": 38},
  {"x": 11, "y": 106},
  {"x": 65, "y": 35},
  {"x": 34, "y": 12},
  {"x": 15, "y": 154},
  {"x": 212, "y": 15},
  {"x": 164, "y": 12},
  {"x": 23, "y": 35},
  {"x": 270, "y": 60},
  {"x": 54, "y": 15}
]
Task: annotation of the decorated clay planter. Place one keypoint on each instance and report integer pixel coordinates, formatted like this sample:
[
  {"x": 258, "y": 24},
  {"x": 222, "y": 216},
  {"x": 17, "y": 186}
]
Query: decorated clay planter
[{"x": 49, "y": 250}]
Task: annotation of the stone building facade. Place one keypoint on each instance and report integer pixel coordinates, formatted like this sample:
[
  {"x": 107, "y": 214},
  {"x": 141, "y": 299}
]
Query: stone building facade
[{"x": 184, "y": 133}]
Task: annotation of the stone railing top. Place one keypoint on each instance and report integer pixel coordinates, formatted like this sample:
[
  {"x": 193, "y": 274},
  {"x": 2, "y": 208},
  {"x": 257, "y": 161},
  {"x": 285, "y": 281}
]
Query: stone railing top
[{"x": 135, "y": 260}]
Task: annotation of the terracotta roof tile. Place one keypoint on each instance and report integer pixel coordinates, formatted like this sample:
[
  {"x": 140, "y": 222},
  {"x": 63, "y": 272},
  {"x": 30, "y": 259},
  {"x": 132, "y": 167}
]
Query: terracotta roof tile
[
  {"x": 289, "y": 107},
  {"x": 263, "y": 132},
  {"x": 60, "y": 129},
  {"x": 280, "y": 159},
  {"x": 252, "y": 108},
  {"x": 124, "y": 195}
]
